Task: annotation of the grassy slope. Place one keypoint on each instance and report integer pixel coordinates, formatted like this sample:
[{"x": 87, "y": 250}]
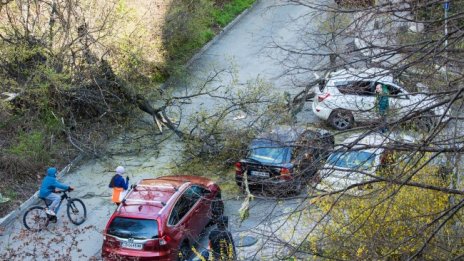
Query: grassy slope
[
  {"x": 228, "y": 11},
  {"x": 224, "y": 11}
]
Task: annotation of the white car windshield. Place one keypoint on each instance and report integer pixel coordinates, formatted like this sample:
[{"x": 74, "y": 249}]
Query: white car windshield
[{"x": 360, "y": 160}]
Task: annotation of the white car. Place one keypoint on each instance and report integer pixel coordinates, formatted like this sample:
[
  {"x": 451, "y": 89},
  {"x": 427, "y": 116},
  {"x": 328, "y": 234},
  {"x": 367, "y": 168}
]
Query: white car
[
  {"x": 348, "y": 96},
  {"x": 345, "y": 167}
]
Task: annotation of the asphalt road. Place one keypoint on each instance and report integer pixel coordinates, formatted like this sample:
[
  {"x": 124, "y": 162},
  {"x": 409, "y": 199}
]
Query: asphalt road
[
  {"x": 251, "y": 54},
  {"x": 244, "y": 48}
]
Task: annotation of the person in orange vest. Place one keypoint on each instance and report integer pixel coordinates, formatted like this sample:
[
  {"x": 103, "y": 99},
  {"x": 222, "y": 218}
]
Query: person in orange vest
[{"x": 119, "y": 185}]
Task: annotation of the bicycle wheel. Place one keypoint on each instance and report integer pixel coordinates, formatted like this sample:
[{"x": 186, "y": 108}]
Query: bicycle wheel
[
  {"x": 76, "y": 211},
  {"x": 35, "y": 218}
]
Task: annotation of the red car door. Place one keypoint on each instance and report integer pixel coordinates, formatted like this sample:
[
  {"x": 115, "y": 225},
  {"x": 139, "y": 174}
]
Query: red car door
[
  {"x": 178, "y": 220},
  {"x": 197, "y": 218},
  {"x": 202, "y": 207}
]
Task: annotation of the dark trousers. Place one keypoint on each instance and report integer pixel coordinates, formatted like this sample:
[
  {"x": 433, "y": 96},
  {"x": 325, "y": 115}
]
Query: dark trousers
[{"x": 383, "y": 123}]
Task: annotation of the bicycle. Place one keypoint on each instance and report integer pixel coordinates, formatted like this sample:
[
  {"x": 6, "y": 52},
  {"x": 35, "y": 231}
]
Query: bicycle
[{"x": 36, "y": 218}]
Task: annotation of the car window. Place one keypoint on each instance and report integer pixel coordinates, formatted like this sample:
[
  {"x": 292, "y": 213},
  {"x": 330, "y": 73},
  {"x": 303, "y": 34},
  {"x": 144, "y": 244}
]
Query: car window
[
  {"x": 322, "y": 83},
  {"x": 198, "y": 190},
  {"x": 352, "y": 159},
  {"x": 181, "y": 208},
  {"x": 194, "y": 193},
  {"x": 133, "y": 228},
  {"x": 396, "y": 92},
  {"x": 267, "y": 151},
  {"x": 362, "y": 88}
]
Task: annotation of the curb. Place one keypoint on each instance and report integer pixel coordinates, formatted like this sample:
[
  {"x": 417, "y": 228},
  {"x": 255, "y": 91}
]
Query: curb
[
  {"x": 220, "y": 34},
  {"x": 6, "y": 220},
  {"x": 216, "y": 38}
]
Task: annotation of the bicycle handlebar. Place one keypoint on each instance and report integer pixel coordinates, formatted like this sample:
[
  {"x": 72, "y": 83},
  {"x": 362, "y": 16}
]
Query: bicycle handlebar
[{"x": 66, "y": 190}]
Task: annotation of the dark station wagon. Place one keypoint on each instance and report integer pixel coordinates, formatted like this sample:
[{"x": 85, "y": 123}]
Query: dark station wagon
[{"x": 284, "y": 158}]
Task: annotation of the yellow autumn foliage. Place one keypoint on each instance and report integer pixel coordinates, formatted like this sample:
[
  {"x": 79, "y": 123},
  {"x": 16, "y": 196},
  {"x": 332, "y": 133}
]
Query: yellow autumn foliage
[{"x": 393, "y": 222}]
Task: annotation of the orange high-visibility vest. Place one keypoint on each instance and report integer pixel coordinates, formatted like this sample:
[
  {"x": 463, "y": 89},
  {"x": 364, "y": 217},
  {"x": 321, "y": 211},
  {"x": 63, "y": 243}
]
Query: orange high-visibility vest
[{"x": 116, "y": 194}]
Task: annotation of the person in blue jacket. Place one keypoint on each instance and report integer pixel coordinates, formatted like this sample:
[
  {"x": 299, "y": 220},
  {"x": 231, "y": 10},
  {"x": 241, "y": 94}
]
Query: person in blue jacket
[
  {"x": 48, "y": 189},
  {"x": 119, "y": 185}
]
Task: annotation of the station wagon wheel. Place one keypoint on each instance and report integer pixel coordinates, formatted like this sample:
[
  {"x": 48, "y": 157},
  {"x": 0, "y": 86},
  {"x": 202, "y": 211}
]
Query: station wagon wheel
[{"x": 341, "y": 120}]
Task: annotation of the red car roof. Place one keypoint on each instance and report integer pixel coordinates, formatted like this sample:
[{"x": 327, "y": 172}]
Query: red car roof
[
  {"x": 139, "y": 210},
  {"x": 150, "y": 195},
  {"x": 186, "y": 178}
]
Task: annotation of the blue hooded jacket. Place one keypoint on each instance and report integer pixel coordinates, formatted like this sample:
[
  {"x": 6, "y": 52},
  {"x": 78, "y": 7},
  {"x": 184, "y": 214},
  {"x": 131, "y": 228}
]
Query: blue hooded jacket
[
  {"x": 119, "y": 182},
  {"x": 49, "y": 184}
]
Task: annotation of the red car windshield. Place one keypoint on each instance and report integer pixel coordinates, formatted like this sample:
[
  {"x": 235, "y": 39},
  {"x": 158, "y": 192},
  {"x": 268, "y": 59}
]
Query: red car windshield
[{"x": 133, "y": 228}]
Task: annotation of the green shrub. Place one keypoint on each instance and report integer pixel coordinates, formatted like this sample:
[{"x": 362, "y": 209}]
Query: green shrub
[
  {"x": 187, "y": 28},
  {"x": 21, "y": 61},
  {"x": 190, "y": 24},
  {"x": 31, "y": 146},
  {"x": 224, "y": 15},
  {"x": 49, "y": 122}
]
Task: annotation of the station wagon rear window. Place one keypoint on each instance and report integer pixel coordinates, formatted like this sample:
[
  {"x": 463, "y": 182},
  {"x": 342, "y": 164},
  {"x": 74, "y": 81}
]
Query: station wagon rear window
[
  {"x": 133, "y": 228},
  {"x": 266, "y": 151}
]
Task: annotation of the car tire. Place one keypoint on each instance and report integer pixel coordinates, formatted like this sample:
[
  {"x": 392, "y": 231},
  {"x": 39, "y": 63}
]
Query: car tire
[{"x": 341, "y": 119}]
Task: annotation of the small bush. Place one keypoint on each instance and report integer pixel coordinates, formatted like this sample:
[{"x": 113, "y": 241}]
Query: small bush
[
  {"x": 190, "y": 24},
  {"x": 186, "y": 29},
  {"x": 31, "y": 146},
  {"x": 225, "y": 14}
]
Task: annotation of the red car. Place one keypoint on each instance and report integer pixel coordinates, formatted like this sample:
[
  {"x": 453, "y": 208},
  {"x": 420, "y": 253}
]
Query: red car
[{"x": 161, "y": 219}]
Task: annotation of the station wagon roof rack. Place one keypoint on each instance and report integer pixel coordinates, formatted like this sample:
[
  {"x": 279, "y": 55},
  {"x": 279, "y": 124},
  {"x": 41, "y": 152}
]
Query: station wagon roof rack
[
  {"x": 137, "y": 186},
  {"x": 126, "y": 200}
]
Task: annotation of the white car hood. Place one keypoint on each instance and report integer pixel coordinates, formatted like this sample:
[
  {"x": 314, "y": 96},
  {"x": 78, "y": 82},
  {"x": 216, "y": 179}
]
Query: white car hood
[{"x": 337, "y": 178}]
